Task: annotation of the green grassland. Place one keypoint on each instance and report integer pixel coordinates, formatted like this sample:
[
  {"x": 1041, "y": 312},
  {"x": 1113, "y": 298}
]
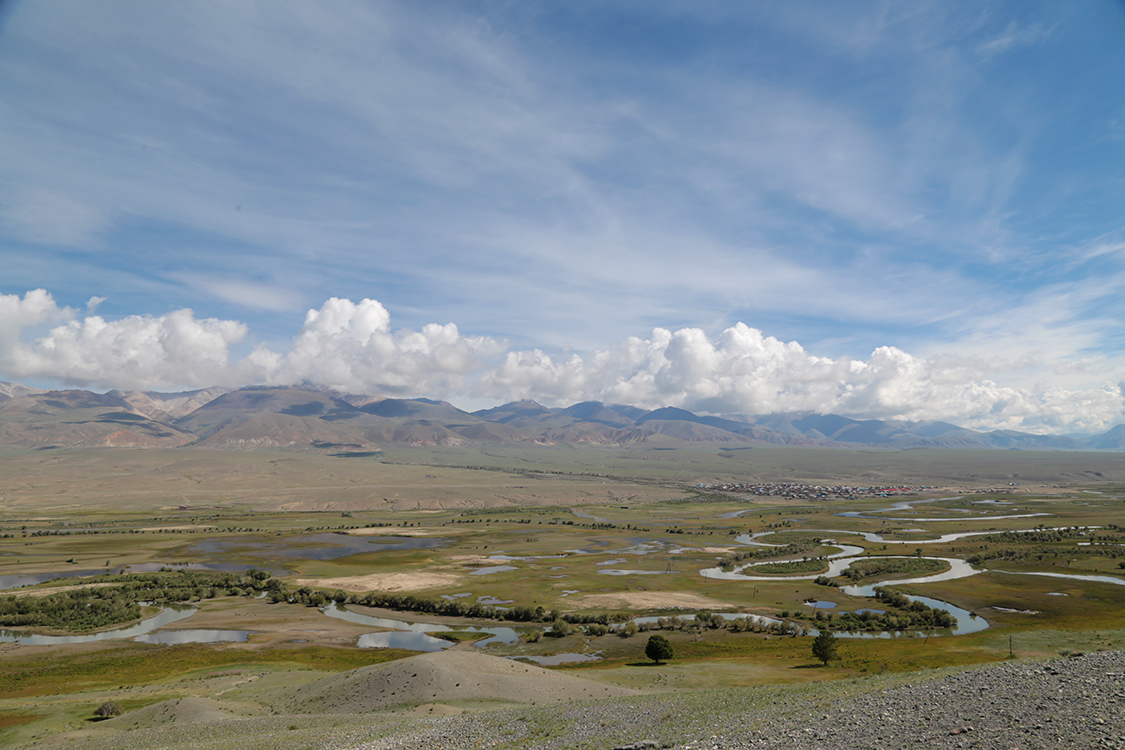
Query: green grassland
[{"x": 579, "y": 532}]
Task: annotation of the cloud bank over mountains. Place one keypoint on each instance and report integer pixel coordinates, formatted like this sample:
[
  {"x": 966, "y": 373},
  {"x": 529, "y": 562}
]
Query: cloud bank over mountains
[{"x": 352, "y": 347}]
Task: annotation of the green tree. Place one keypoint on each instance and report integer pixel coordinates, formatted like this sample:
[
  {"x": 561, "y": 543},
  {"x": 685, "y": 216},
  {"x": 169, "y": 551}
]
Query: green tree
[
  {"x": 658, "y": 648},
  {"x": 824, "y": 646}
]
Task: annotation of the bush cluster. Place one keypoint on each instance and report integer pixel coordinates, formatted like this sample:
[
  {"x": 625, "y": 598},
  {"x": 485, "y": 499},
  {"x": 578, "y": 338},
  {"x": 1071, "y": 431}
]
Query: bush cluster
[{"x": 89, "y": 608}]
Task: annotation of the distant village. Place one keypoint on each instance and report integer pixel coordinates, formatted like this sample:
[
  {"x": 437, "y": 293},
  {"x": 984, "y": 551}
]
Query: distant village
[{"x": 813, "y": 492}]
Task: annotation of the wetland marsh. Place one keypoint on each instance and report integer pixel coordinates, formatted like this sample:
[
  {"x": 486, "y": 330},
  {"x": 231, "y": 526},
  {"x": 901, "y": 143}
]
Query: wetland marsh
[{"x": 307, "y": 565}]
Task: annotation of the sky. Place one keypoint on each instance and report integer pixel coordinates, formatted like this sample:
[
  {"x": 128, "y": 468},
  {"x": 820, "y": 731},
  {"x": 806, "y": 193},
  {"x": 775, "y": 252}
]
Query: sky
[{"x": 893, "y": 210}]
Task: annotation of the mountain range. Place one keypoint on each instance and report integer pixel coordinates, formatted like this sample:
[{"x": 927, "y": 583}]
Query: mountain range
[{"x": 300, "y": 418}]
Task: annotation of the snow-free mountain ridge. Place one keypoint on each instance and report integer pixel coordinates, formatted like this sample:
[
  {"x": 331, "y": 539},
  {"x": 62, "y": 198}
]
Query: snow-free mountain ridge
[{"x": 301, "y": 418}]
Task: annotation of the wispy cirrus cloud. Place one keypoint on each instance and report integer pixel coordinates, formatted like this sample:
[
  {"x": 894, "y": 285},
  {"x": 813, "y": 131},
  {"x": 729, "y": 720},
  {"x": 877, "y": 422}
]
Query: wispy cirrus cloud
[
  {"x": 52, "y": 218},
  {"x": 1015, "y": 35},
  {"x": 244, "y": 293}
]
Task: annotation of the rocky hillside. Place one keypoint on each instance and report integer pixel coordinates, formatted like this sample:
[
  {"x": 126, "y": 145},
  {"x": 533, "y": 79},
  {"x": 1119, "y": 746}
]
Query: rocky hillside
[
  {"x": 1072, "y": 703},
  {"x": 314, "y": 419}
]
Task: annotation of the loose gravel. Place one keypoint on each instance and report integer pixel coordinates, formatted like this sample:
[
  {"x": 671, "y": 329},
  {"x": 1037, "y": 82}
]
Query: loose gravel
[
  {"x": 1075, "y": 703},
  {"x": 1062, "y": 704}
]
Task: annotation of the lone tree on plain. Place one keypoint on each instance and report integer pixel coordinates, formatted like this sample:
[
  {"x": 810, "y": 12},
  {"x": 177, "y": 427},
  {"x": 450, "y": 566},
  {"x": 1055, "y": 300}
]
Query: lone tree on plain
[
  {"x": 107, "y": 710},
  {"x": 824, "y": 646},
  {"x": 658, "y": 648}
]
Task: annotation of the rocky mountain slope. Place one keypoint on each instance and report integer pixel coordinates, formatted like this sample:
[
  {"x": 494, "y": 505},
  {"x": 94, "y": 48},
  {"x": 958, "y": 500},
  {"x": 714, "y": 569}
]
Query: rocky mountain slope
[{"x": 316, "y": 419}]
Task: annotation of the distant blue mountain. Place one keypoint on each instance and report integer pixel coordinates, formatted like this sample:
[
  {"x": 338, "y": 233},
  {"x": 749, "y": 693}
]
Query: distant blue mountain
[{"x": 306, "y": 417}]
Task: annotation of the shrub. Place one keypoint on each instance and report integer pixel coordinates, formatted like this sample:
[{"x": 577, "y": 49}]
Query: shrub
[
  {"x": 560, "y": 628},
  {"x": 107, "y": 710}
]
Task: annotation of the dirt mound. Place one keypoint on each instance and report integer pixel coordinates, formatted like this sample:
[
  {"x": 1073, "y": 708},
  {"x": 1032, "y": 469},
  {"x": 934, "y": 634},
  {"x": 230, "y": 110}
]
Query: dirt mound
[
  {"x": 443, "y": 676},
  {"x": 176, "y": 711}
]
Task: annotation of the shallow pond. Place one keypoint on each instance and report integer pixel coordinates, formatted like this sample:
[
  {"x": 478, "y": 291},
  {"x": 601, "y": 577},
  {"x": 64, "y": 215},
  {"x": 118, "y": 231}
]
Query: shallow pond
[
  {"x": 620, "y": 572},
  {"x": 556, "y": 659},
  {"x": 324, "y": 546},
  {"x": 492, "y": 601},
  {"x": 173, "y": 637},
  {"x": 489, "y": 570},
  {"x": 167, "y": 616},
  {"x": 498, "y": 634},
  {"x": 402, "y": 639}
]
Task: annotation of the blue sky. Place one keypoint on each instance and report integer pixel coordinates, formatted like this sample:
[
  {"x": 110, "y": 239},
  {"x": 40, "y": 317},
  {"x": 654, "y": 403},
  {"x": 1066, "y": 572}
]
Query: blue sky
[{"x": 902, "y": 210}]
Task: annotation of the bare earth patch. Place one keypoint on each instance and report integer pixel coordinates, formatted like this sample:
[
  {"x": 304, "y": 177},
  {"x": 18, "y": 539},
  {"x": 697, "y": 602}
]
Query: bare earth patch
[
  {"x": 648, "y": 600},
  {"x": 384, "y": 582}
]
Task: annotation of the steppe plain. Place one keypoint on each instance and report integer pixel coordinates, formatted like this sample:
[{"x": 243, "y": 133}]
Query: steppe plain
[{"x": 620, "y": 532}]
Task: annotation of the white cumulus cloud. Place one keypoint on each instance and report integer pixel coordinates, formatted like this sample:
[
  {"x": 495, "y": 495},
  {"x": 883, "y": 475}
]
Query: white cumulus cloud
[
  {"x": 744, "y": 371},
  {"x": 351, "y": 346},
  {"x": 139, "y": 351}
]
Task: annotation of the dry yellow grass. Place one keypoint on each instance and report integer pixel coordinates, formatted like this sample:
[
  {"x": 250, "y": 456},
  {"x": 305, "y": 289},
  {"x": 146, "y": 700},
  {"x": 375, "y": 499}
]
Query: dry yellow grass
[{"x": 418, "y": 581}]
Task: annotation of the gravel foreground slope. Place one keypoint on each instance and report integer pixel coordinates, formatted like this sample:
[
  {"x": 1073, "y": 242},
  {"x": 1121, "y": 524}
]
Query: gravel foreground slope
[
  {"x": 1061, "y": 704},
  {"x": 1055, "y": 705}
]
